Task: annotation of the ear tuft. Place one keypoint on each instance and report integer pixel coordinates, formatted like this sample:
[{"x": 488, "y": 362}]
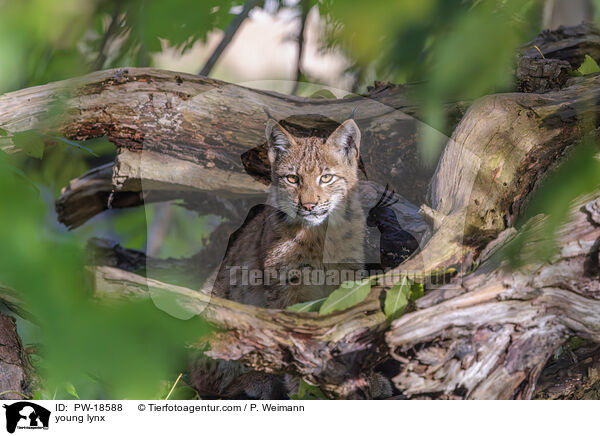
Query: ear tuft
[
  {"x": 346, "y": 138},
  {"x": 278, "y": 139},
  {"x": 277, "y": 136}
]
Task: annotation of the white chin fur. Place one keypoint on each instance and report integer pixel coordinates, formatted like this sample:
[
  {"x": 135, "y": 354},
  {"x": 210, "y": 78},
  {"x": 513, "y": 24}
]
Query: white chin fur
[{"x": 314, "y": 220}]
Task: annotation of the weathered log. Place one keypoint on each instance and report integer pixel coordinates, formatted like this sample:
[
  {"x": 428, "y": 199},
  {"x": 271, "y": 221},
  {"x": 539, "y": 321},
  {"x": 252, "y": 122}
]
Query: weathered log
[
  {"x": 482, "y": 183},
  {"x": 490, "y": 335},
  {"x": 537, "y": 74},
  {"x": 331, "y": 351},
  {"x": 496, "y": 338},
  {"x": 496, "y": 158},
  {"x": 92, "y": 193},
  {"x": 494, "y": 169},
  {"x": 197, "y": 129},
  {"x": 501, "y": 176},
  {"x": 569, "y": 44}
]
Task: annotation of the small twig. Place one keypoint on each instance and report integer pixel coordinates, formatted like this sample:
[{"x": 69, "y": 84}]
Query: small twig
[
  {"x": 539, "y": 51},
  {"x": 174, "y": 384},
  {"x": 228, "y": 36},
  {"x": 15, "y": 392}
]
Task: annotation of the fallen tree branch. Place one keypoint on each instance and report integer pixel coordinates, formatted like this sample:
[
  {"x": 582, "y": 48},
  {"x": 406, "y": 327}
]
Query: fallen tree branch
[
  {"x": 196, "y": 128},
  {"x": 487, "y": 337},
  {"x": 331, "y": 351},
  {"x": 490, "y": 335},
  {"x": 487, "y": 173}
]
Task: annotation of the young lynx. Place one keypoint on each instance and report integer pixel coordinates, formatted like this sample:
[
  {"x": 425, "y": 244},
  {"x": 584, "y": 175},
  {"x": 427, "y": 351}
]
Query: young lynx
[
  {"x": 299, "y": 244},
  {"x": 309, "y": 236}
]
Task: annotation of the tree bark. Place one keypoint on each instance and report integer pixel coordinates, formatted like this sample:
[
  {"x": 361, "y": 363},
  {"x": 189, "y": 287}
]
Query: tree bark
[
  {"x": 573, "y": 375},
  {"x": 486, "y": 334},
  {"x": 490, "y": 335},
  {"x": 16, "y": 373},
  {"x": 197, "y": 128}
]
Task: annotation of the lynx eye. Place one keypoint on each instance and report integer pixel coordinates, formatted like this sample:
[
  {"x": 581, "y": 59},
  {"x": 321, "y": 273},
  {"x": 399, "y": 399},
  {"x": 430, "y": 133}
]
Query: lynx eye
[
  {"x": 291, "y": 178},
  {"x": 326, "y": 178}
]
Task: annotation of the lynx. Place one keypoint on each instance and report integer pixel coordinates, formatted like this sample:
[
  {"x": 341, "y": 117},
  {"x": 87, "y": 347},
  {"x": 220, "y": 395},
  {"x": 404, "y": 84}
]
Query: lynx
[
  {"x": 310, "y": 232},
  {"x": 312, "y": 223}
]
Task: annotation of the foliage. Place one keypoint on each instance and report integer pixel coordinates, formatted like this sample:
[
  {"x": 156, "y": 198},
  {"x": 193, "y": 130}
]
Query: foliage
[
  {"x": 308, "y": 392},
  {"x": 347, "y": 295},
  {"x": 589, "y": 66},
  {"x": 398, "y": 296},
  {"x": 352, "y": 293},
  {"x": 115, "y": 351},
  {"x": 308, "y": 306},
  {"x": 455, "y": 49},
  {"x": 579, "y": 175},
  {"x": 43, "y": 41}
]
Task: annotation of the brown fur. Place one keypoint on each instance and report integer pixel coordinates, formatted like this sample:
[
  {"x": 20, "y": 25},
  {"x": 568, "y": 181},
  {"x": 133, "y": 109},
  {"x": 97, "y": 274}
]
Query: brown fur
[{"x": 283, "y": 237}]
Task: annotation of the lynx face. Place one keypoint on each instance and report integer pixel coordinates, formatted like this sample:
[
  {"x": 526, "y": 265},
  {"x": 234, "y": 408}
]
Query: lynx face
[{"x": 311, "y": 176}]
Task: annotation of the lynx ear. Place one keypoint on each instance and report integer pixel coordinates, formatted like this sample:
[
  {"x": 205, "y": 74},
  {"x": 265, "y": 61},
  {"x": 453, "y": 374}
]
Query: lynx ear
[
  {"x": 346, "y": 138},
  {"x": 278, "y": 139}
]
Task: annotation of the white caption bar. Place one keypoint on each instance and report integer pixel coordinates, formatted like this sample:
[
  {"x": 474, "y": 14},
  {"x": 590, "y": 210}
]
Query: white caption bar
[{"x": 339, "y": 418}]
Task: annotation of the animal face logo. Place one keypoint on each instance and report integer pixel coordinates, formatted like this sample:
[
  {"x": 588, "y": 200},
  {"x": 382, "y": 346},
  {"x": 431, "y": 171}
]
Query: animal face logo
[{"x": 24, "y": 414}]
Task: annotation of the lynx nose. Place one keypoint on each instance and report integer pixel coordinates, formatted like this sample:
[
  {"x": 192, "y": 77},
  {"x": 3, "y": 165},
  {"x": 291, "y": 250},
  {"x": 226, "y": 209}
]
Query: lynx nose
[{"x": 309, "y": 206}]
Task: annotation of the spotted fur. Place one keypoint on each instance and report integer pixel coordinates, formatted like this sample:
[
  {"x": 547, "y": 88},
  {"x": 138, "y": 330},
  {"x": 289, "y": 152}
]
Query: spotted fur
[{"x": 284, "y": 236}]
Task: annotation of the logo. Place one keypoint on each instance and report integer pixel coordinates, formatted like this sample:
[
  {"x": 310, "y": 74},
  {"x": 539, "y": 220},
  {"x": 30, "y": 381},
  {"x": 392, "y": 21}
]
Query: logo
[{"x": 26, "y": 415}]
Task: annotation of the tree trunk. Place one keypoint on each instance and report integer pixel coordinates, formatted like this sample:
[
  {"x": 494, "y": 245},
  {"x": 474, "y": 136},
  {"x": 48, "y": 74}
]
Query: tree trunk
[
  {"x": 486, "y": 334},
  {"x": 16, "y": 372}
]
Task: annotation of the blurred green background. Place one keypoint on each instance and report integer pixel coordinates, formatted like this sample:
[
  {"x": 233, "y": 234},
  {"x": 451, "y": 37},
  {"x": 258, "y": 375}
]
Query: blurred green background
[{"x": 457, "y": 49}]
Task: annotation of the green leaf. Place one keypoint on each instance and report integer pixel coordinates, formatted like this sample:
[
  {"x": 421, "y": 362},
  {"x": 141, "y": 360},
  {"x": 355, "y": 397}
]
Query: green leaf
[
  {"x": 347, "y": 295},
  {"x": 397, "y": 298},
  {"x": 308, "y": 392},
  {"x": 180, "y": 22},
  {"x": 3, "y": 132},
  {"x": 71, "y": 390},
  {"x": 308, "y": 306},
  {"x": 30, "y": 142},
  {"x": 416, "y": 291},
  {"x": 589, "y": 66}
]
